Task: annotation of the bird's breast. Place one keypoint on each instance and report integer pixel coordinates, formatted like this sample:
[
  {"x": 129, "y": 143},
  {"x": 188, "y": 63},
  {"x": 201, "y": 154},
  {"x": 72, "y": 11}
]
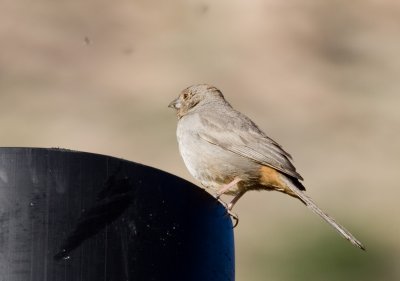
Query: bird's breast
[{"x": 210, "y": 164}]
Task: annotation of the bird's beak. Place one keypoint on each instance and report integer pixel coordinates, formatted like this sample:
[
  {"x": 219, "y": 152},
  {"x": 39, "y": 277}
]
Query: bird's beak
[{"x": 175, "y": 104}]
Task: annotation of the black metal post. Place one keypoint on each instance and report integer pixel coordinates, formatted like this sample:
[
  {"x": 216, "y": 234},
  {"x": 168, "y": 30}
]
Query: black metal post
[{"x": 74, "y": 216}]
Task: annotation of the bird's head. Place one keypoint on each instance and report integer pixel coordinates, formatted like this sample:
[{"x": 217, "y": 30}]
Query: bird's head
[{"x": 195, "y": 96}]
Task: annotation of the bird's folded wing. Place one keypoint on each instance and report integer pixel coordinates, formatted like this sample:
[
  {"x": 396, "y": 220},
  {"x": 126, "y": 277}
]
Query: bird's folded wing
[{"x": 255, "y": 146}]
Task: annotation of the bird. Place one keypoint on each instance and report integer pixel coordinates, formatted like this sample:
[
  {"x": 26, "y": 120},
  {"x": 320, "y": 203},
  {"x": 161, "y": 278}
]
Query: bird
[{"x": 229, "y": 154}]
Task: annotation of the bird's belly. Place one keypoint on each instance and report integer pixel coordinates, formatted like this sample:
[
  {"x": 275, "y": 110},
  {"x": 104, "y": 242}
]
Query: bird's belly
[{"x": 212, "y": 165}]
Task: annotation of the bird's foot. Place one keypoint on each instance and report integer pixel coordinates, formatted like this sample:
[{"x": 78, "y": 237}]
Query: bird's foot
[
  {"x": 234, "y": 217},
  {"x": 228, "y": 208}
]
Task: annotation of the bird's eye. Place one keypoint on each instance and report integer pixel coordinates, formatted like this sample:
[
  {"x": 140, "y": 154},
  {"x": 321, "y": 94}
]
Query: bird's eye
[{"x": 185, "y": 96}]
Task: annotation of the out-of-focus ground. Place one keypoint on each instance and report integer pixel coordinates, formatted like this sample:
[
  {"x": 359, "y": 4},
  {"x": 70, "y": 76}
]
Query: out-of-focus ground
[{"x": 320, "y": 77}]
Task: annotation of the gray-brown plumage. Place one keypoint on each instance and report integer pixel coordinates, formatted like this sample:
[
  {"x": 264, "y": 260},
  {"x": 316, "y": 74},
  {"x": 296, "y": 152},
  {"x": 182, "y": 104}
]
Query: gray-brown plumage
[{"x": 228, "y": 153}]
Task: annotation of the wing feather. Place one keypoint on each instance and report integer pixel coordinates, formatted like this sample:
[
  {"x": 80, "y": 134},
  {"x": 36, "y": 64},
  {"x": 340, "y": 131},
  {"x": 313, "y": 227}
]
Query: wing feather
[{"x": 243, "y": 137}]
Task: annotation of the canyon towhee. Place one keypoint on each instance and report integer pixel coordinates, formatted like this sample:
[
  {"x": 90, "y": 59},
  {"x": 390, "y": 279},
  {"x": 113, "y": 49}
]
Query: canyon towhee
[{"x": 229, "y": 154}]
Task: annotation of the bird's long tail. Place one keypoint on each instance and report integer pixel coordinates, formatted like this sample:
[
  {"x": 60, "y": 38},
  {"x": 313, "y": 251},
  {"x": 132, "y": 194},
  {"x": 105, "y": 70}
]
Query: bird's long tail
[{"x": 311, "y": 205}]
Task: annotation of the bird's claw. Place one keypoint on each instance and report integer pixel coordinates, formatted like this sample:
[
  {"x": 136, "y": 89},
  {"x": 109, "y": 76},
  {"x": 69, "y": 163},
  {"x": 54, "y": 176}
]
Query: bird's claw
[
  {"x": 234, "y": 217},
  {"x": 228, "y": 208}
]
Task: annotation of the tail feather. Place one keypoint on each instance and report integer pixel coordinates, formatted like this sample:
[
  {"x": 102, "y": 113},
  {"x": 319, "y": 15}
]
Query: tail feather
[{"x": 311, "y": 205}]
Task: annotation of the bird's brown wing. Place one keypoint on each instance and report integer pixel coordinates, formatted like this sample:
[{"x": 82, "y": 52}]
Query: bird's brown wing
[{"x": 243, "y": 137}]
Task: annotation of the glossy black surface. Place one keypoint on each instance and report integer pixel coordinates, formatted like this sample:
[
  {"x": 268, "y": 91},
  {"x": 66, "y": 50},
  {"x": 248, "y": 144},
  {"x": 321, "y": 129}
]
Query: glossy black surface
[{"x": 74, "y": 216}]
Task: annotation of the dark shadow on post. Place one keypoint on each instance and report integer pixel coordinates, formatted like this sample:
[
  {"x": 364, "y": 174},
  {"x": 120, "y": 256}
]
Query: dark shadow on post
[{"x": 67, "y": 216}]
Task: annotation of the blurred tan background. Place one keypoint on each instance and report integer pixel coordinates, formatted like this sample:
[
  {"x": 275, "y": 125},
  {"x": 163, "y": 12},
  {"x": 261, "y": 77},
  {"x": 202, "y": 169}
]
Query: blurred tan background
[{"x": 320, "y": 77}]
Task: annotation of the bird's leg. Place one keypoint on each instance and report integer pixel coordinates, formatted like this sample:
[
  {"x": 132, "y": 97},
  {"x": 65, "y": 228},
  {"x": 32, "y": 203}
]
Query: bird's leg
[
  {"x": 234, "y": 216},
  {"x": 223, "y": 190},
  {"x": 230, "y": 206},
  {"x": 235, "y": 199},
  {"x": 227, "y": 186}
]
